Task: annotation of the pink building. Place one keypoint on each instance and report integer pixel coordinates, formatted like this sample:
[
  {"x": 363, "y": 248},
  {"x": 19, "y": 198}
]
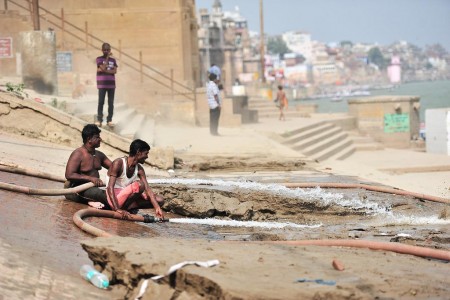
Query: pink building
[{"x": 394, "y": 70}]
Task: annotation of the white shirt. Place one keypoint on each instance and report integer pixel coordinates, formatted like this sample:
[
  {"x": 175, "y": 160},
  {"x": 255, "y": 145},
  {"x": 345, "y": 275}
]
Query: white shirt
[
  {"x": 123, "y": 181},
  {"x": 211, "y": 90}
]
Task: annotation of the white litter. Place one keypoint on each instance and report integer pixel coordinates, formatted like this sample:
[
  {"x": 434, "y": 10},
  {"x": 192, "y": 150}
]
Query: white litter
[{"x": 204, "y": 264}]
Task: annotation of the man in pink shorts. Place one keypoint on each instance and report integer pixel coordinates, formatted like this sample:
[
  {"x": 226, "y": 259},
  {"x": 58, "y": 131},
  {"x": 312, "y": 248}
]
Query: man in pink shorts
[{"x": 128, "y": 188}]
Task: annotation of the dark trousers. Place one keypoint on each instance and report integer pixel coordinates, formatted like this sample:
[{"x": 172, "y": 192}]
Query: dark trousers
[
  {"x": 101, "y": 102},
  {"x": 91, "y": 194},
  {"x": 214, "y": 115}
]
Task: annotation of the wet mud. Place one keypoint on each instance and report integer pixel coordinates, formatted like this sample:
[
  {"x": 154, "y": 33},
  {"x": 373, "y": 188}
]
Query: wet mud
[
  {"x": 227, "y": 163},
  {"x": 40, "y": 232}
]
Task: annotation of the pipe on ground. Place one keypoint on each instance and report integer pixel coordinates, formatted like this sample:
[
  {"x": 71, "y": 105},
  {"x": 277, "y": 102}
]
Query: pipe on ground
[
  {"x": 19, "y": 170},
  {"x": 10, "y": 168},
  {"x": 45, "y": 192},
  {"x": 90, "y": 212},
  {"x": 368, "y": 187},
  {"x": 393, "y": 247}
]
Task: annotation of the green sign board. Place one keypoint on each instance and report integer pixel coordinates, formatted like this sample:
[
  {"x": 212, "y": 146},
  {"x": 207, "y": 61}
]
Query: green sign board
[{"x": 396, "y": 123}]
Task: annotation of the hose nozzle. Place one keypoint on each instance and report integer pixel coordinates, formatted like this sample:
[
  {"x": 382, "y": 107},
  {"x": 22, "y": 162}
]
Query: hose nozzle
[{"x": 153, "y": 219}]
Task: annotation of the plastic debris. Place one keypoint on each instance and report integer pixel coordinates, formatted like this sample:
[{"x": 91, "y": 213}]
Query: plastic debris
[{"x": 318, "y": 281}]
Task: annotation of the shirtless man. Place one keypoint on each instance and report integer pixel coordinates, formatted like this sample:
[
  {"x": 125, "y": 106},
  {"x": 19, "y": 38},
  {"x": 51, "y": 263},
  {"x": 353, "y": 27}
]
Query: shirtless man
[
  {"x": 128, "y": 188},
  {"x": 83, "y": 166}
]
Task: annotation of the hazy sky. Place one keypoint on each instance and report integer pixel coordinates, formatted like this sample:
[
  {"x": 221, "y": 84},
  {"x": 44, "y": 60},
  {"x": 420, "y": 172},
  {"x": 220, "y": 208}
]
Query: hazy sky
[{"x": 420, "y": 22}]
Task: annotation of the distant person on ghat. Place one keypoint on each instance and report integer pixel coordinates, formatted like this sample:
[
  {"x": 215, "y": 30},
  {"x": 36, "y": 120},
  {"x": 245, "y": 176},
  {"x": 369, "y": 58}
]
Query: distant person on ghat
[
  {"x": 106, "y": 84},
  {"x": 214, "y": 103},
  {"x": 283, "y": 102},
  {"x": 216, "y": 70},
  {"x": 128, "y": 188},
  {"x": 84, "y": 165}
]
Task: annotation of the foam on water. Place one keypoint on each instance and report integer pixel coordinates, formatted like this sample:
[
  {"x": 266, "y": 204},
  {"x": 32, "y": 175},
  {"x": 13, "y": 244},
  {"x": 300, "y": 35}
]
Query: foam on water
[
  {"x": 316, "y": 195},
  {"x": 399, "y": 219},
  {"x": 233, "y": 223}
]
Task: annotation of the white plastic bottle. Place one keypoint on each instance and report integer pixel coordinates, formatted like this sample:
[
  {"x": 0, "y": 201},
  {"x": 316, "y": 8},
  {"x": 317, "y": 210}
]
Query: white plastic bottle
[{"x": 95, "y": 277}]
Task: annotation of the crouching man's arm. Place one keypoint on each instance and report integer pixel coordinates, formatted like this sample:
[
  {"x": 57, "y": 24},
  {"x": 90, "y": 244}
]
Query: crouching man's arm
[{"x": 149, "y": 192}]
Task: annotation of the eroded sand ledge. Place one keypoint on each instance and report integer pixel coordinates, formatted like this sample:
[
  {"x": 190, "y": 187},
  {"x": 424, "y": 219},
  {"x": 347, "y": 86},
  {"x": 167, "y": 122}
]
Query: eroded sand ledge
[{"x": 254, "y": 270}]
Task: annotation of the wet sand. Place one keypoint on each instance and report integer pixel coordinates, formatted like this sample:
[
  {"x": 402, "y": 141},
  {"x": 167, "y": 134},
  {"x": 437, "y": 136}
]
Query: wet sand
[{"x": 41, "y": 248}]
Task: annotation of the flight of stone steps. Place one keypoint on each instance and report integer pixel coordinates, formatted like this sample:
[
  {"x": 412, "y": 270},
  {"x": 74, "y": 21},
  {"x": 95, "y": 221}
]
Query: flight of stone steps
[
  {"x": 324, "y": 140},
  {"x": 129, "y": 123},
  {"x": 266, "y": 108}
]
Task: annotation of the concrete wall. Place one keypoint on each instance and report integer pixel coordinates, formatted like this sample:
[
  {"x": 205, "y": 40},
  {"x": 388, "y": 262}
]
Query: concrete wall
[
  {"x": 164, "y": 31},
  {"x": 11, "y": 24},
  {"x": 392, "y": 120},
  {"x": 39, "y": 61},
  {"x": 438, "y": 130}
]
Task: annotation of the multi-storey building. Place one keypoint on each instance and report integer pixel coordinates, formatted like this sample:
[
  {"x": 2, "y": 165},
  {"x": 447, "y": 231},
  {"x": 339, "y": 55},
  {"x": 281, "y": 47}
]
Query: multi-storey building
[{"x": 224, "y": 41}]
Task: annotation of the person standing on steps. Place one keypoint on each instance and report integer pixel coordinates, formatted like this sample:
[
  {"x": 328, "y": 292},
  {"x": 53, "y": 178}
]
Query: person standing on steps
[
  {"x": 106, "y": 84},
  {"x": 214, "y": 102},
  {"x": 283, "y": 102}
]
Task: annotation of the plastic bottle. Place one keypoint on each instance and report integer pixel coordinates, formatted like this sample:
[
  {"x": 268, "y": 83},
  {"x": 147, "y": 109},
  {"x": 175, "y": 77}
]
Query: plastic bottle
[{"x": 95, "y": 277}]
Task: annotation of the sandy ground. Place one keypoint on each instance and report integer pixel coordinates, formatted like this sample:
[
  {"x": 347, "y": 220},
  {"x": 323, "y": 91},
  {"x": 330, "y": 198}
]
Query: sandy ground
[{"x": 41, "y": 252}]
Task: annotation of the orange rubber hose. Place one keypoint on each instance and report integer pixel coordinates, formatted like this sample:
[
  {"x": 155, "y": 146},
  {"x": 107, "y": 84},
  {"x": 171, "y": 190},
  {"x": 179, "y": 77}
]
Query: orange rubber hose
[
  {"x": 10, "y": 168},
  {"x": 393, "y": 247},
  {"x": 91, "y": 212},
  {"x": 45, "y": 192}
]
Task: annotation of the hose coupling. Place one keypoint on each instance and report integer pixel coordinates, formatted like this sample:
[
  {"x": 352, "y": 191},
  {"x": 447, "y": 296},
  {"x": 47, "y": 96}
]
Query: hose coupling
[{"x": 153, "y": 219}]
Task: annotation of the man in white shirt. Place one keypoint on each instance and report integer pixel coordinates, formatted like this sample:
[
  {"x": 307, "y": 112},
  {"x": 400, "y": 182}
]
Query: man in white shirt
[{"x": 214, "y": 102}]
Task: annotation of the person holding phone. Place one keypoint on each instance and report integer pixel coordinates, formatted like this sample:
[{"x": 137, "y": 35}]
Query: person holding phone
[{"x": 106, "y": 84}]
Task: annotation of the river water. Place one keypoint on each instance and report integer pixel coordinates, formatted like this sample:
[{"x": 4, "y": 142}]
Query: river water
[{"x": 433, "y": 94}]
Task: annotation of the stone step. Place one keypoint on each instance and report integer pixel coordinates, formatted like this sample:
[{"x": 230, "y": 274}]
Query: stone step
[
  {"x": 306, "y": 132},
  {"x": 301, "y": 129},
  {"x": 122, "y": 118},
  {"x": 276, "y": 114},
  {"x": 317, "y": 139},
  {"x": 325, "y": 143},
  {"x": 132, "y": 127},
  {"x": 338, "y": 147},
  {"x": 342, "y": 155}
]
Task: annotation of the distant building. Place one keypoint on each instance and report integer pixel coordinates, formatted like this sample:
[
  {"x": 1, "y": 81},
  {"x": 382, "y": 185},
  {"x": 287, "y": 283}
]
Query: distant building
[
  {"x": 325, "y": 73},
  {"x": 394, "y": 70},
  {"x": 299, "y": 42},
  {"x": 224, "y": 41}
]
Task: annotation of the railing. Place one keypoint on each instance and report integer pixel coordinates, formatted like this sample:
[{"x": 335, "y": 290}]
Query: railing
[{"x": 144, "y": 70}]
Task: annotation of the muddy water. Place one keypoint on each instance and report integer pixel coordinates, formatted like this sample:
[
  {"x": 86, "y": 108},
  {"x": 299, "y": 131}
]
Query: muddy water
[
  {"x": 40, "y": 232},
  {"x": 35, "y": 222}
]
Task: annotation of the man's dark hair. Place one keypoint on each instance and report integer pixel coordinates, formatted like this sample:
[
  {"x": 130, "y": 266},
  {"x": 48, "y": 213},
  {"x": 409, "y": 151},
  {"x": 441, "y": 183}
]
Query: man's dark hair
[
  {"x": 138, "y": 146},
  {"x": 89, "y": 131},
  {"x": 212, "y": 76}
]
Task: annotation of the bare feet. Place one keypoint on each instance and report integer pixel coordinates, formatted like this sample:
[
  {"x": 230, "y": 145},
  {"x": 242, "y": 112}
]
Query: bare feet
[{"x": 97, "y": 205}]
